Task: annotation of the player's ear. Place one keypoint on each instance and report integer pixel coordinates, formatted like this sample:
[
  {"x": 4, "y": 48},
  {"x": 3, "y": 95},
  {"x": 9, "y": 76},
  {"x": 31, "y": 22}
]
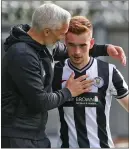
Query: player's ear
[{"x": 92, "y": 43}]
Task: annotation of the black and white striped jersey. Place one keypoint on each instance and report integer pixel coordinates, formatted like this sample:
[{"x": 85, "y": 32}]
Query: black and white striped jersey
[{"x": 84, "y": 122}]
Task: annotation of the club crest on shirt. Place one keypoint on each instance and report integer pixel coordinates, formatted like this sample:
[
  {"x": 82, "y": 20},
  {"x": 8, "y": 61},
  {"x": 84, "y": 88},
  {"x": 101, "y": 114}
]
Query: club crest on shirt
[{"x": 98, "y": 82}]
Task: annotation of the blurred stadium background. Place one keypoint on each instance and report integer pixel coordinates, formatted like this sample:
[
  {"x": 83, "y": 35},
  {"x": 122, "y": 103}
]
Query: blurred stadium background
[{"x": 110, "y": 19}]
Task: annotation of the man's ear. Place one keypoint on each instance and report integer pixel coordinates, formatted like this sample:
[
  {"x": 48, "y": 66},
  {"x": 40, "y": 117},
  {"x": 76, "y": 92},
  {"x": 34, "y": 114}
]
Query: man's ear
[
  {"x": 46, "y": 31},
  {"x": 92, "y": 43}
]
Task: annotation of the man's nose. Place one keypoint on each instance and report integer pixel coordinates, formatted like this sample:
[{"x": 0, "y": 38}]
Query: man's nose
[{"x": 77, "y": 50}]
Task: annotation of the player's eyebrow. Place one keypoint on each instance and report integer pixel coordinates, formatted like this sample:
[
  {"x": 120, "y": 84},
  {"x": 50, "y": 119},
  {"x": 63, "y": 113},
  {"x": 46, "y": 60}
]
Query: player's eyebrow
[{"x": 83, "y": 44}]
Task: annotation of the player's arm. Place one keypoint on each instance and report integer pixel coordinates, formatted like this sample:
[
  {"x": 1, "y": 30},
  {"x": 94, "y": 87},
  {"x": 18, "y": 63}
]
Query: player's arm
[{"x": 124, "y": 102}]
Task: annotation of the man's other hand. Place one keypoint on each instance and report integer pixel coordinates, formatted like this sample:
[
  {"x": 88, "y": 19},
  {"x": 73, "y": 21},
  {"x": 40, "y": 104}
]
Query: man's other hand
[{"x": 117, "y": 52}]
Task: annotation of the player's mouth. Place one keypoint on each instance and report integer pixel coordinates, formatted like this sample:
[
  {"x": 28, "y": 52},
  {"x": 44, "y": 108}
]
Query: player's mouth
[{"x": 77, "y": 58}]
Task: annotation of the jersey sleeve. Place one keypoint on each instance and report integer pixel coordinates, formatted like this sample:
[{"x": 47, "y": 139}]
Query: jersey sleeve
[{"x": 119, "y": 86}]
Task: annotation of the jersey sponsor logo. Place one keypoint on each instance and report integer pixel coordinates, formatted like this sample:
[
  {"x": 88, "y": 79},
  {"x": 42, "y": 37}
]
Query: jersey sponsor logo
[
  {"x": 87, "y": 99},
  {"x": 98, "y": 82}
]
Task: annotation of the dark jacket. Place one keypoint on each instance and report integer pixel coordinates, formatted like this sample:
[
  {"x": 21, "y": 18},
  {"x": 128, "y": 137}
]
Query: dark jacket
[{"x": 26, "y": 84}]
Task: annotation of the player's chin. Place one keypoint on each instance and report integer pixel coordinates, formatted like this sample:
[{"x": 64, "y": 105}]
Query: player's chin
[{"x": 77, "y": 62}]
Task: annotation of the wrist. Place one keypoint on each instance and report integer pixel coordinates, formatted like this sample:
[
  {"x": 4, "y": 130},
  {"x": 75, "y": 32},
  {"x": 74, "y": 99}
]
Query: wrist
[{"x": 106, "y": 49}]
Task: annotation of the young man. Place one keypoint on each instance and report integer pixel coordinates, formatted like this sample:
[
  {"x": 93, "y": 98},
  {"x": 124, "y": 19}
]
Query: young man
[{"x": 84, "y": 122}]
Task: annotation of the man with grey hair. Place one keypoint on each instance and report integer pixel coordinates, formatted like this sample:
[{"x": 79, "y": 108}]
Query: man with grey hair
[{"x": 27, "y": 74}]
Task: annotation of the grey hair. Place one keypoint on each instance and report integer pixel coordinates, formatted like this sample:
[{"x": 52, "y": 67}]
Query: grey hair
[{"x": 49, "y": 16}]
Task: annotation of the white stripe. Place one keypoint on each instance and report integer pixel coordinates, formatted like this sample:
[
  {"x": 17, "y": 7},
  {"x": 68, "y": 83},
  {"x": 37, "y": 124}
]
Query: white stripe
[
  {"x": 93, "y": 73},
  {"x": 107, "y": 114},
  {"x": 69, "y": 118},
  {"x": 107, "y": 107},
  {"x": 66, "y": 73},
  {"x": 91, "y": 125},
  {"x": 90, "y": 113}
]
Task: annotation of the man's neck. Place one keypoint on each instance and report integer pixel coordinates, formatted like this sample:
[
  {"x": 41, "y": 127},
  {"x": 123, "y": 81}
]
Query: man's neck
[
  {"x": 35, "y": 36},
  {"x": 82, "y": 65}
]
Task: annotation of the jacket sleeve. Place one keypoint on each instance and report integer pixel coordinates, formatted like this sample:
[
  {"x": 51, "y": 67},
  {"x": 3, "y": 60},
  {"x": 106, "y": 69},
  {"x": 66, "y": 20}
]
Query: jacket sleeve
[
  {"x": 99, "y": 50},
  {"x": 25, "y": 72},
  {"x": 57, "y": 80},
  {"x": 61, "y": 51}
]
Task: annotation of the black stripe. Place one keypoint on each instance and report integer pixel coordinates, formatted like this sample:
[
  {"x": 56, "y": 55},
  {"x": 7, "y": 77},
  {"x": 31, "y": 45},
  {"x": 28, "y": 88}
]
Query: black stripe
[
  {"x": 64, "y": 129},
  {"x": 103, "y": 72},
  {"x": 79, "y": 117},
  {"x": 118, "y": 84},
  {"x": 58, "y": 71}
]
